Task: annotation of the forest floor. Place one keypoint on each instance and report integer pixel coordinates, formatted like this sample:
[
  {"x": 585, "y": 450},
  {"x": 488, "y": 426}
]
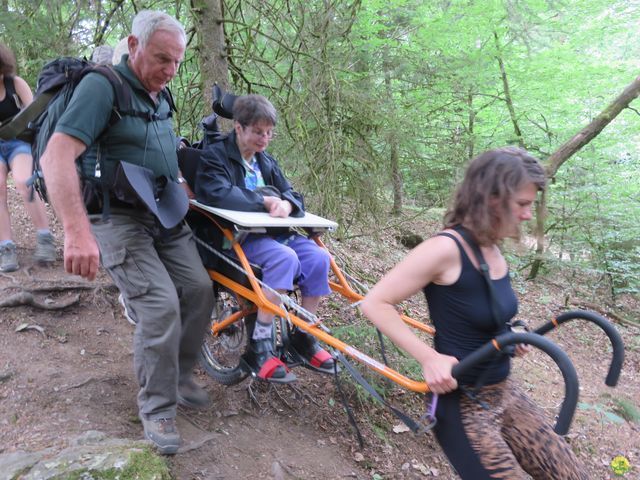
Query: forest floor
[{"x": 71, "y": 370}]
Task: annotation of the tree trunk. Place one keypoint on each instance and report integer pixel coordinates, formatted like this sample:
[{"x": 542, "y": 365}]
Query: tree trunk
[
  {"x": 567, "y": 149},
  {"x": 589, "y": 132},
  {"x": 470, "y": 126},
  {"x": 211, "y": 46},
  {"x": 541, "y": 208},
  {"x": 507, "y": 93},
  {"x": 396, "y": 174}
]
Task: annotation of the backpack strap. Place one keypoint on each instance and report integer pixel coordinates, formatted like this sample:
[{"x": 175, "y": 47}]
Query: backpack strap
[
  {"x": 18, "y": 126},
  {"x": 122, "y": 107},
  {"x": 10, "y": 87},
  {"x": 484, "y": 271},
  {"x": 148, "y": 116},
  {"x": 493, "y": 303}
]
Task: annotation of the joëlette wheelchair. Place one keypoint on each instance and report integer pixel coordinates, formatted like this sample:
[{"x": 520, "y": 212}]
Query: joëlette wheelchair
[{"x": 239, "y": 293}]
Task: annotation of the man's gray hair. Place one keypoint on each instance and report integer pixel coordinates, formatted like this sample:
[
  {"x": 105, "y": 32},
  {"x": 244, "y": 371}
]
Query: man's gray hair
[
  {"x": 147, "y": 22},
  {"x": 121, "y": 48},
  {"x": 102, "y": 54}
]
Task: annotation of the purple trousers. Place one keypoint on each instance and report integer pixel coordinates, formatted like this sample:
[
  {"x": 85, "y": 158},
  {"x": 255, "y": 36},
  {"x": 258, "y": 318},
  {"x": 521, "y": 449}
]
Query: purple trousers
[{"x": 290, "y": 258}]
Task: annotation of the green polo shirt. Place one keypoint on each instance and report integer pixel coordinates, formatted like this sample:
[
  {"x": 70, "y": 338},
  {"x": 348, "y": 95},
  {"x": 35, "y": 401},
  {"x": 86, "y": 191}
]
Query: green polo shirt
[{"x": 132, "y": 139}]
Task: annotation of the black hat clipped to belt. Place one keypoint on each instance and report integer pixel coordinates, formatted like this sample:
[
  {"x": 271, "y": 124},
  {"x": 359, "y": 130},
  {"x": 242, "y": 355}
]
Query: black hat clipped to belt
[{"x": 138, "y": 185}]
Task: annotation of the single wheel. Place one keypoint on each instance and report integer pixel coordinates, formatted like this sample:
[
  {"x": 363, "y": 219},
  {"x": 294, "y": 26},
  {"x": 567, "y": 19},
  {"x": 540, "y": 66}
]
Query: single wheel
[{"x": 221, "y": 354}]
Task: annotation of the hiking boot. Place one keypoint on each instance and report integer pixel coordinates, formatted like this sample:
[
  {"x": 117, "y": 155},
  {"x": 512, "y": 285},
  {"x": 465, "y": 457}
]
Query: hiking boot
[
  {"x": 311, "y": 352},
  {"x": 125, "y": 311},
  {"x": 192, "y": 395},
  {"x": 163, "y": 433},
  {"x": 265, "y": 364},
  {"x": 8, "y": 258},
  {"x": 45, "y": 249}
]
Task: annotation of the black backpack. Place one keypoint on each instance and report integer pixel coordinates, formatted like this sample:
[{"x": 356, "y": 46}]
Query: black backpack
[{"x": 54, "y": 88}]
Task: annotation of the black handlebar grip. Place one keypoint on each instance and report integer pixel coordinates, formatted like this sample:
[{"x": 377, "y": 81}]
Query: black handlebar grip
[
  {"x": 614, "y": 337},
  {"x": 571, "y": 389}
]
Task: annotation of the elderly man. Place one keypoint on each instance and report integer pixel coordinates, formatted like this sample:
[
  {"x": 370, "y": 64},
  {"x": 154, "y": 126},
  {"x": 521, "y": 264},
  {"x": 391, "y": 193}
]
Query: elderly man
[{"x": 154, "y": 263}]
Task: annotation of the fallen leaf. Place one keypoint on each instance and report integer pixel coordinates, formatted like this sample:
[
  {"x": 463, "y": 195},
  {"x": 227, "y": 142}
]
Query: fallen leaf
[
  {"x": 401, "y": 428},
  {"x": 25, "y": 326},
  {"x": 421, "y": 467},
  {"x": 358, "y": 457}
]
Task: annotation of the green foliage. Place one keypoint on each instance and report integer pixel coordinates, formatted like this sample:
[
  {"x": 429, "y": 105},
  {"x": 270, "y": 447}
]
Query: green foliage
[
  {"x": 627, "y": 409},
  {"x": 605, "y": 415},
  {"x": 358, "y": 82}
]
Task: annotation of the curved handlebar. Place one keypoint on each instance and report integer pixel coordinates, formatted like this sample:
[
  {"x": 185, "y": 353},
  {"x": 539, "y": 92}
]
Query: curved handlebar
[
  {"x": 561, "y": 359},
  {"x": 604, "y": 324}
]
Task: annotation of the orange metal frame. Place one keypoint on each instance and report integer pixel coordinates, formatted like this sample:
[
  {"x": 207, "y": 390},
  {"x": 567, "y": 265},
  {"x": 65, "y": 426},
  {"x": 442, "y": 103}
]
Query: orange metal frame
[{"x": 256, "y": 296}]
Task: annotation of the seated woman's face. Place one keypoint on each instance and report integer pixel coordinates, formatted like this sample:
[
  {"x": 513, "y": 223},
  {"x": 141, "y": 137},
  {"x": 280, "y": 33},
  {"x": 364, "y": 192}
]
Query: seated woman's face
[{"x": 255, "y": 137}]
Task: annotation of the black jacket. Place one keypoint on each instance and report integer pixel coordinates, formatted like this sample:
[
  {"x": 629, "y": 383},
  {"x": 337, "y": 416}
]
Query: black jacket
[{"x": 220, "y": 179}]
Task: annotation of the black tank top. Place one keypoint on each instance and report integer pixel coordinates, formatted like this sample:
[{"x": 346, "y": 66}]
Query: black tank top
[
  {"x": 461, "y": 314},
  {"x": 8, "y": 107}
]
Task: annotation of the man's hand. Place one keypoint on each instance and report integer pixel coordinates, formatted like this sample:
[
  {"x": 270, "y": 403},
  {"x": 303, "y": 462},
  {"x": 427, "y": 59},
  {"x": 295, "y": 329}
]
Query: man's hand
[
  {"x": 81, "y": 254},
  {"x": 277, "y": 207}
]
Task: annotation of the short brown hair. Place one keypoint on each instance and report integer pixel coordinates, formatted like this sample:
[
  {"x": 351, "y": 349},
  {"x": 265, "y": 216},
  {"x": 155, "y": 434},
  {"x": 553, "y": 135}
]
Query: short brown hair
[
  {"x": 7, "y": 61},
  {"x": 251, "y": 109},
  {"x": 493, "y": 175}
]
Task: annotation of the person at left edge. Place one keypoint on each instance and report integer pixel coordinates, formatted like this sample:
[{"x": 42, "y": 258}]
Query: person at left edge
[
  {"x": 15, "y": 157},
  {"x": 158, "y": 270}
]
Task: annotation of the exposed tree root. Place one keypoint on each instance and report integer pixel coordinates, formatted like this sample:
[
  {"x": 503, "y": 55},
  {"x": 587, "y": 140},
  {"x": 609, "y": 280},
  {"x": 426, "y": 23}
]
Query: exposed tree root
[
  {"x": 27, "y": 298},
  {"x": 26, "y": 295},
  {"x": 606, "y": 312}
]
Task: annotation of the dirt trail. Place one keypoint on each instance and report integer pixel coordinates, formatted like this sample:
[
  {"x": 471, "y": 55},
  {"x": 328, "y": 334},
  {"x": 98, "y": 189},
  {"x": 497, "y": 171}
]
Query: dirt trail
[{"x": 71, "y": 371}]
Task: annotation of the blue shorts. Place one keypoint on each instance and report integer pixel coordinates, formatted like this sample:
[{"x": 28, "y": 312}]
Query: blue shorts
[{"x": 11, "y": 148}]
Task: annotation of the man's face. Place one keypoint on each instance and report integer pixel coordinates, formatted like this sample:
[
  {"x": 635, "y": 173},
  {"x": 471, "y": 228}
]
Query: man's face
[{"x": 157, "y": 63}]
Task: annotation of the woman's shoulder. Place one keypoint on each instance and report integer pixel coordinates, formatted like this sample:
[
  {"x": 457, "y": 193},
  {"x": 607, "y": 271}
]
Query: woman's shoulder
[
  {"x": 19, "y": 82},
  {"x": 23, "y": 90},
  {"x": 440, "y": 245}
]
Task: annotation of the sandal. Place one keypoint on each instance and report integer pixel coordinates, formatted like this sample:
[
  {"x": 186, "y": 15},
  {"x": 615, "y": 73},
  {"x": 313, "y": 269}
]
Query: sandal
[
  {"x": 311, "y": 353},
  {"x": 265, "y": 365}
]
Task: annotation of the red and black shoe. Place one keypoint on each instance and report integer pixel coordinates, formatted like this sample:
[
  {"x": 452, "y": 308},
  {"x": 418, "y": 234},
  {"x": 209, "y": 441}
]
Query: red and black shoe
[
  {"x": 309, "y": 350},
  {"x": 265, "y": 364}
]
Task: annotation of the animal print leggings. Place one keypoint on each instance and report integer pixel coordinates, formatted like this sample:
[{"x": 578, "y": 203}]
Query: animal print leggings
[{"x": 506, "y": 440}]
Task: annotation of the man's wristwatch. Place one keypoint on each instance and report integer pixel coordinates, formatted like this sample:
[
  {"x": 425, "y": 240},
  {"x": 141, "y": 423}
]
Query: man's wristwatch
[{"x": 181, "y": 180}]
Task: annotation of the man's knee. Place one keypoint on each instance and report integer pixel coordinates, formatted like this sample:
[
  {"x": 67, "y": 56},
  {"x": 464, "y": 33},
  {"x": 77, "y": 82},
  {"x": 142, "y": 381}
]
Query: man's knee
[{"x": 199, "y": 285}]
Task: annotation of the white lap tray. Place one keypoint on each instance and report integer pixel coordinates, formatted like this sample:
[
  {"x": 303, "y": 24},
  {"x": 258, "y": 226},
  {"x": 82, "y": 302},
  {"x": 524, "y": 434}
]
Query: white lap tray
[{"x": 260, "y": 221}]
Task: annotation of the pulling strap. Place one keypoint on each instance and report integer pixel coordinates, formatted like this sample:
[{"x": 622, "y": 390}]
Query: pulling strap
[
  {"x": 493, "y": 303},
  {"x": 418, "y": 426},
  {"x": 484, "y": 270}
]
